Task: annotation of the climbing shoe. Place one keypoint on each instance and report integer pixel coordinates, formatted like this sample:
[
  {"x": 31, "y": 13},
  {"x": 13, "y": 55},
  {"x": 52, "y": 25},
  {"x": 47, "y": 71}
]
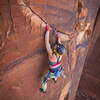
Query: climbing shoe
[
  {"x": 55, "y": 81},
  {"x": 41, "y": 90}
]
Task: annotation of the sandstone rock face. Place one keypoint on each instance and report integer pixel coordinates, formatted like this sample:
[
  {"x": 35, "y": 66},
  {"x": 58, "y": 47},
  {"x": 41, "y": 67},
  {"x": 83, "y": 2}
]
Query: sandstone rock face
[
  {"x": 90, "y": 81},
  {"x": 23, "y": 58}
]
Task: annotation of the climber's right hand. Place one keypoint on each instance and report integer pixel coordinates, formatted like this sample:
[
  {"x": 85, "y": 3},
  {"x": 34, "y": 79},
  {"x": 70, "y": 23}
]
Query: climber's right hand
[
  {"x": 47, "y": 28},
  {"x": 58, "y": 35}
]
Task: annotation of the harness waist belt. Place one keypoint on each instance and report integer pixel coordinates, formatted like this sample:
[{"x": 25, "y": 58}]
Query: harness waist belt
[{"x": 54, "y": 66}]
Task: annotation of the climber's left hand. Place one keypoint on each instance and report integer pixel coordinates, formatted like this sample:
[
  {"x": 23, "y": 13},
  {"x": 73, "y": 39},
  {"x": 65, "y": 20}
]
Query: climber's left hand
[{"x": 47, "y": 28}]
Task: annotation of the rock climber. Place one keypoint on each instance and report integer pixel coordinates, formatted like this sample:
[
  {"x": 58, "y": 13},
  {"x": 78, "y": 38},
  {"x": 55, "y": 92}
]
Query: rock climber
[{"x": 55, "y": 55}]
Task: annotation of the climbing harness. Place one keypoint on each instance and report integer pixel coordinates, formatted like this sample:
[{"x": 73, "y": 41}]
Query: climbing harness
[{"x": 53, "y": 66}]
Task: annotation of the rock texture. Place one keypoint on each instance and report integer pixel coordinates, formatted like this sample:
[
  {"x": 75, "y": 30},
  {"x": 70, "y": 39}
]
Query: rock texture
[
  {"x": 90, "y": 81},
  {"x": 23, "y": 58}
]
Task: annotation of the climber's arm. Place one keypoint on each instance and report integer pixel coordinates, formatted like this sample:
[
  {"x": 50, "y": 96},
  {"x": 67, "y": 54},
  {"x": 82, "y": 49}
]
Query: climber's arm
[
  {"x": 48, "y": 46},
  {"x": 62, "y": 37}
]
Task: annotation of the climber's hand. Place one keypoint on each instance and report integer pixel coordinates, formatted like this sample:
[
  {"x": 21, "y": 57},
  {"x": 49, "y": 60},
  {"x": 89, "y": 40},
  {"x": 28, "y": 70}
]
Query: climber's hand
[
  {"x": 57, "y": 35},
  {"x": 47, "y": 28}
]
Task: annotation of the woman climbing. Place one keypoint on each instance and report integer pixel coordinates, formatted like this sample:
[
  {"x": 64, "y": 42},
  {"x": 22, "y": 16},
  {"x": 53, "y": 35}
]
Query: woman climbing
[{"x": 55, "y": 55}]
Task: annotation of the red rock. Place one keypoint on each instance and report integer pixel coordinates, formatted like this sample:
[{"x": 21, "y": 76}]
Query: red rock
[
  {"x": 17, "y": 21},
  {"x": 23, "y": 58},
  {"x": 16, "y": 11}
]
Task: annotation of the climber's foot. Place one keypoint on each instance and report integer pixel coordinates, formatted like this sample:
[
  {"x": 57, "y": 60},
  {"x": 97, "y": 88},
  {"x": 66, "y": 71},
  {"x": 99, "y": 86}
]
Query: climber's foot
[
  {"x": 54, "y": 80},
  {"x": 41, "y": 90}
]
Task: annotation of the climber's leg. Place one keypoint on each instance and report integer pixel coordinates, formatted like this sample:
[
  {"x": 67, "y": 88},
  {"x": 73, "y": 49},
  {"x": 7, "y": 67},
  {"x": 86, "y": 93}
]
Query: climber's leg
[
  {"x": 53, "y": 77},
  {"x": 44, "y": 87},
  {"x": 44, "y": 79},
  {"x": 44, "y": 83}
]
